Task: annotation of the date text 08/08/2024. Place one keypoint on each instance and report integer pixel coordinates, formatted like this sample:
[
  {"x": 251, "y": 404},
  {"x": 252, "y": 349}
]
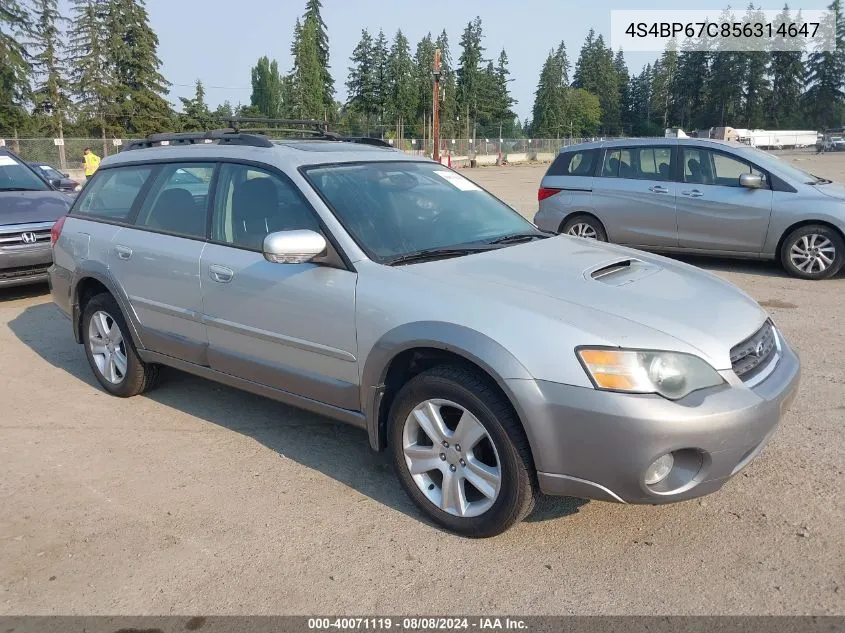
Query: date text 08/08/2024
[{"x": 415, "y": 623}]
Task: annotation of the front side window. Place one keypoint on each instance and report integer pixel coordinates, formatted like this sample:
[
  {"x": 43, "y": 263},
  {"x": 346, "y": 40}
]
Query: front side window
[
  {"x": 705, "y": 167},
  {"x": 393, "y": 209},
  {"x": 112, "y": 193},
  {"x": 177, "y": 200},
  {"x": 15, "y": 176},
  {"x": 250, "y": 203}
]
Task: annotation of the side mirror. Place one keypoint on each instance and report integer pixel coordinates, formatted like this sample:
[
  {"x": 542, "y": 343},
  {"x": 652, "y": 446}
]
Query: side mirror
[
  {"x": 293, "y": 247},
  {"x": 751, "y": 181},
  {"x": 56, "y": 183},
  {"x": 66, "y": 175}
]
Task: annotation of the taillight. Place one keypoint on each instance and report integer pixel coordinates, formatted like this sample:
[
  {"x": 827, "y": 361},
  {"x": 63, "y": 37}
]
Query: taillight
[
  {"x": 56, "y": 231},
  {"x": 546, "y": 192}
]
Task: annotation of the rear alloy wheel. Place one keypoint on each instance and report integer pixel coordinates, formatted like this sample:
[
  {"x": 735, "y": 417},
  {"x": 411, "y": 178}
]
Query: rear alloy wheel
[
  {"x": 110, "y": 351},
  {"x": 813, "y": 252},
  {"x": 585, "y": 226},
  {"x": 461, "y": 453}
]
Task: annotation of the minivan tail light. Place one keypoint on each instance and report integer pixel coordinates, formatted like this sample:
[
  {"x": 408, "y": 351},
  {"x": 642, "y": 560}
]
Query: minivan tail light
[
  {"x": 56, "y": 231},
  {"x": 546, "y": 192}
]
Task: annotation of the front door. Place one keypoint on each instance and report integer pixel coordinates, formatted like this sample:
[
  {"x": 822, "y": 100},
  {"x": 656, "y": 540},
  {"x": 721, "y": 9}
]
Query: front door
[
  {"x": 286, "y": 326},
  {"x": 714, "y": 211}
]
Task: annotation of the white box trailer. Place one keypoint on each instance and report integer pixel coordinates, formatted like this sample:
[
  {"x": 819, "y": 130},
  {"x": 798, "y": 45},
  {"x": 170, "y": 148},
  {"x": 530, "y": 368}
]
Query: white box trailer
[{"x": 777, "y": 139}]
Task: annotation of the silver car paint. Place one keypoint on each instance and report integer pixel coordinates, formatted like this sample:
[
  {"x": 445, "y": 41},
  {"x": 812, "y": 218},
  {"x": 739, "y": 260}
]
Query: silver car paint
[
  {"x": 727, "y": 221},
  {"x": 322, "y": 338}
]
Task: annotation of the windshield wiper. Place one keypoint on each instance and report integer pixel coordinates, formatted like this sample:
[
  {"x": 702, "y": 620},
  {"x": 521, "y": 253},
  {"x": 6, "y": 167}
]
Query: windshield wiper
[
  {"x": 517, "y": 238},
  {"x": 436, "y": 253},
  {"x": 19, "y": 189}
]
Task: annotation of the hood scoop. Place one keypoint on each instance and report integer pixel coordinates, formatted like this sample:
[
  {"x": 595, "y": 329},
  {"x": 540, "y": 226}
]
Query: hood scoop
[{"x": 621, "y": 272}]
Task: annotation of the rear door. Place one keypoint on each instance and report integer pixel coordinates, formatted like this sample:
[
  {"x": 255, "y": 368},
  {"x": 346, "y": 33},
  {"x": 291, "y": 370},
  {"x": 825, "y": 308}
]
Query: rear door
[
  {"x": 157, "y": 260},
  {"x": 714, "y": 211},
  {"x": 567, "y": 187},
  {"x": 634, "y": 195}
]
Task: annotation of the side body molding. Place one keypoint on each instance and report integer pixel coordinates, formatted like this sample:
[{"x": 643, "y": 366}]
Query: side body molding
[{"x": 475, "y": 347}]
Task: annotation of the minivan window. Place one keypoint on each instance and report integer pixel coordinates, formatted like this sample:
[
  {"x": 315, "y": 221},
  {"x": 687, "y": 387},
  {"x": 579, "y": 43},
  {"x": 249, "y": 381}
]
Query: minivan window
[
  {"x": 580, "y": 163},
  {"x": 250, "y": 203},
  {"x": 617, "y": 163},
  {"x": 653, "y": 163},
  {"x": 177, "y": 201},
  {"x": 15, "y": 176},
  {"x": 112, "y": 193},
  {"x": 705, "y": 167}
]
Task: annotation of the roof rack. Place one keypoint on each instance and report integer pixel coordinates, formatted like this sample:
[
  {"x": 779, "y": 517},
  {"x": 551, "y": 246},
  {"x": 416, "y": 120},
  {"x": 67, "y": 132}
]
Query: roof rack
[
  {"x": 310, "y": 128},
  {"x": 223, "y": 137}
]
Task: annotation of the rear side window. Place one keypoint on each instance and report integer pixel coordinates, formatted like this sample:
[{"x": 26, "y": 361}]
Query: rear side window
[
  {"x": 178, "y": 200},
  {"x": 112, "y": 193},
  {"x": 581, "y": 163},
  {"x": 653, "y": 163}
]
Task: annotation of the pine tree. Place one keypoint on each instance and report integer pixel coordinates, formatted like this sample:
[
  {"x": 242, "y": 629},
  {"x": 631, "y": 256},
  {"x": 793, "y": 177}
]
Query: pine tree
[
  {"x": 664, "y": 72},
  {"x": 381, "y": 85},
  {"x": 725, "y": 88},
  {"x": 360, "y": 85},
  {"x": 139, "y": 86},
  {"x": 756, "y": 84},
  {"x": 14, "y": 64},
  {"x": 306, "y": 80},
  {"x": 423, "y": 78},
  {"x": 690, "y": 86},
  {"x": 824, "y": 100},
  {"x": 195, "y": 113},
  {"x": 267, "y": 88},
  {"x": 50, "y": 93},
  {"x": 91, "y": 77},
  {"x": 448, "y": 88},
  {"x": 783, "y": 109},
  {"x": 502, "y": 111},
  {"x": 547, "y": 113},
  {"x": 223, "y": 112},
  {"x": 314, "y": 19},
  {"x": 468, "y": 75},
  {"x": 623, "y": 80},
  {"x": 595, "y": 73},
  {"x": 403, "y": 93}
]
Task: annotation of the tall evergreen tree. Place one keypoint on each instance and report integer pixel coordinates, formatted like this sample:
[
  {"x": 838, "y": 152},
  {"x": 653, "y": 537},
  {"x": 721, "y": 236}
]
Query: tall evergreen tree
[
  {"x": 725, "y": 89},
  {"x": 306, "y": 79},
  {"x": 783, "y": 109},
  {"x": 690, "y": 85},
  {"x": 469, "y": 74},
  {"x": 623, "y": 80},
  {"x": 267, "y": 88},
  {"x": 314, "y": 18},
  {"x": 50, "y": 93},
  {"x": 360, "y": 85},
  {"x": 595, "y": 73},
  {"x": 381, "y": 73},
  {"x": 195, "y": 113},
  {"x": 14, "y": 64},
  {"x": 423, "y": 78},
  {"x": 756, "y": 83},
  {"x": 502, "y": 107},
  {"x": 824, "y": 100},
  {"x": 664, "y": 71},
  {"x": 448, "y": 88},
  {"x": 548, "y": 112},
  {"x": 403, "y": 93},
  {"x": 91, "y": 78}
]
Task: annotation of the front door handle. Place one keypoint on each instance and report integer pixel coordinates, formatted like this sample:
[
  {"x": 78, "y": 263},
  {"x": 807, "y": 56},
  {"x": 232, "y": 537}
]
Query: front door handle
[
  {"x": 123, "y": 252},
  {"x": 695, "y": 193},
  {"x": 220, "y": 274},
  {"x": 658, "y": 189}
]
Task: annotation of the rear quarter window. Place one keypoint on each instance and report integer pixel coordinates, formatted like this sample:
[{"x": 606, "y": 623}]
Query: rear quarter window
[
  {"x": 577, "y": 163},
  {"x": 112, "y": 193}
]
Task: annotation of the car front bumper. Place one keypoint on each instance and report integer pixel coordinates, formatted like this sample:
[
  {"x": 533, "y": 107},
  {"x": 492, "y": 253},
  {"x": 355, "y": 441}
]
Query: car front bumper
[
  {"x": 20, "y": 266},
  {"x": 598, "y": 445}
]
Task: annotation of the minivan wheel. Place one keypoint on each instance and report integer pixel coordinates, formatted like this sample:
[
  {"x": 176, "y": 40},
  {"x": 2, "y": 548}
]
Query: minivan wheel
[
  {"x": 585, "y": 226},
  {"x": 461, "y": 453},
  {"x": 813, "y": 252},
  {"x": 110, "y": 351}
]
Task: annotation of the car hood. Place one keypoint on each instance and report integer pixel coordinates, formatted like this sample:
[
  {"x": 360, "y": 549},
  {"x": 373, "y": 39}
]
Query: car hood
[
  {"x": 21, "y": 207},
  {"x": 675, "y": 299},
  {"x": 832, "y": 189}
]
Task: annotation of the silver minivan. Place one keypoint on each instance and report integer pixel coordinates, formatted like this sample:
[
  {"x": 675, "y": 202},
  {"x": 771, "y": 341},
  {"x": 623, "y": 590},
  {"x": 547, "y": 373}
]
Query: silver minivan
[{"x": 697, "y": 196}]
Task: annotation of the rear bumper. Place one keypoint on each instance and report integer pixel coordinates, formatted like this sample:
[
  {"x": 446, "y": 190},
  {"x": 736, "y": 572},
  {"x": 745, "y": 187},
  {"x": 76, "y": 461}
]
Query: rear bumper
[
  {"x": 598, "y": 445},
  {"x": 60, "y": 287},
  {"x": 22, "y": 266}
]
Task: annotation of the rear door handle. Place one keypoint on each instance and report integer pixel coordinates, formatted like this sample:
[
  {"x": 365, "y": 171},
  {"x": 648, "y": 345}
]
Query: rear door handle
[
  {"x": 220, "y": 274},
  {"x": 658, "y": 189},
  {"x": 695, "y": 193},
  {"x": 123, "y": 252}
]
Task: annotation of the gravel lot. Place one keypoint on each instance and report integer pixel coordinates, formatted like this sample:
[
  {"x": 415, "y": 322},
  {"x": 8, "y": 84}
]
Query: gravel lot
[{"x": 201, "y": 499}]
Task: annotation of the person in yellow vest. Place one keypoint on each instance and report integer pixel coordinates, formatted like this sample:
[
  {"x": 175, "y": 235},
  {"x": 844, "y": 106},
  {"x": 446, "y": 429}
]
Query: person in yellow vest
[{"x": 92, "y": 161}]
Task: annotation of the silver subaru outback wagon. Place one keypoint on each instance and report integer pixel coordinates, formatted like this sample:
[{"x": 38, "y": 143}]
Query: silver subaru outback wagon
[
  {"x": 697, "y": 196},
  {"x": 492, "y": 361}
]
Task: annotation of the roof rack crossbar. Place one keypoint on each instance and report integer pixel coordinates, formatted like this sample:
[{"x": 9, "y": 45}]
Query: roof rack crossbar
[{"x": 226, "y": 137}]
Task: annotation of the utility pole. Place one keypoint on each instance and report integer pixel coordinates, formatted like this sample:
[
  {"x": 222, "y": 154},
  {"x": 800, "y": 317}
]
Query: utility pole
[{"x": 435, "y": 109}]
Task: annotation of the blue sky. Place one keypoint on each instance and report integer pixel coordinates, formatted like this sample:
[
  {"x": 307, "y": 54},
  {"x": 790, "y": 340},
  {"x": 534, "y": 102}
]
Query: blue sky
[{"x": 218, "y": 42}]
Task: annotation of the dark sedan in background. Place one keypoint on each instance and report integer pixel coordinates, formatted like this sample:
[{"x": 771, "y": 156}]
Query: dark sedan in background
[
  {"x": 59, "y": 180},
  {"x": 29, "y": 207}
]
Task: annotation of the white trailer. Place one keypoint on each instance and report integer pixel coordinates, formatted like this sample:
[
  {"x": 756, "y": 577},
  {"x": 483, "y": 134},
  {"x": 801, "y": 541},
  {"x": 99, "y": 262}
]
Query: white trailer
[{"x": 778, "y": 139}]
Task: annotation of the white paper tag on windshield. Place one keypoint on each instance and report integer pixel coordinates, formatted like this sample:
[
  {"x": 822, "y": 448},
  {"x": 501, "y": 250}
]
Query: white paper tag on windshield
[
  {"x": 5, "y": 161},
  {"x": 458, "y": 181}
]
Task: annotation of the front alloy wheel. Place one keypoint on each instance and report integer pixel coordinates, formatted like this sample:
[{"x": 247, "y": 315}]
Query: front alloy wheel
[{"x": 813, "y": 252}]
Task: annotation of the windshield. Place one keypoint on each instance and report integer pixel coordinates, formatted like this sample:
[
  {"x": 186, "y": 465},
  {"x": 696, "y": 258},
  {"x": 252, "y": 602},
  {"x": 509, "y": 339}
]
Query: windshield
[
  {"x": 50, "y": 173},
  {"x": 15, "y": 176},
  {"x": 394, "y": 209},
  {"x": 781, "y": 167}
]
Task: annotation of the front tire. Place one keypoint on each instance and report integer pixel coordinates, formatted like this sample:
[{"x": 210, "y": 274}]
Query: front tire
[
  {"x": 461, "y": 453},
  {"x": 110, "y": 350},
  {"x": 813, "y": 252},
  {"x": 585, "y": 226}
]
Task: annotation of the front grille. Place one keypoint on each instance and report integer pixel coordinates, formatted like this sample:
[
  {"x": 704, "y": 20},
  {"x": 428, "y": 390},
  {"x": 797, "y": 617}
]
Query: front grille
[
  {"x": 19, "y": 272},
  {"x": 25, "y": 235},
  {"x": 754, "y": 354}
]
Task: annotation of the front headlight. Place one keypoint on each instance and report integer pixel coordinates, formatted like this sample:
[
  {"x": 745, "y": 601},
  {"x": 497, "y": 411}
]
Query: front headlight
[
  {"x": 673, "y": 375},
  {"x": 78, "y": 188}
]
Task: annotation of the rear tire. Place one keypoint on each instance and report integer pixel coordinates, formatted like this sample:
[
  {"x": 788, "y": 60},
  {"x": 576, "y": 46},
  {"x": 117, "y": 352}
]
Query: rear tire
[
  {"x": 431, "y": 415},
  {"x": 814, "y": 251},
  {"x": 110, "y": 350},
  {"x": 586, "y": 226}
]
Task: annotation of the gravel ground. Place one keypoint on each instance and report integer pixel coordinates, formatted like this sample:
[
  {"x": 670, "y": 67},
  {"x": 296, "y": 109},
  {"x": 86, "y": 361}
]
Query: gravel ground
[{"x": 200, "y": 499}]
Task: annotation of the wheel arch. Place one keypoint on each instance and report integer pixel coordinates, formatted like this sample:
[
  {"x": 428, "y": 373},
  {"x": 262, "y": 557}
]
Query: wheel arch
[
  {"x": 88, "y": 283},
  {"x": 575, "y": 214},
  {"x": 797, "y": 225},
  {"x": 412, "y": 348}
]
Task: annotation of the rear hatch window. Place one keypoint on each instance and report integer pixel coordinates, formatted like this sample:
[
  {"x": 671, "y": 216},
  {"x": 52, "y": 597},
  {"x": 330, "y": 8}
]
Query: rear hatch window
[{"x": 576, "y": 163}]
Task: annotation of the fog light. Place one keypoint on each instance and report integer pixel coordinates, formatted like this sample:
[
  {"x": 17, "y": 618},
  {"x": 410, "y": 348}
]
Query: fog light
[{"x": 659, "y": 469}]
